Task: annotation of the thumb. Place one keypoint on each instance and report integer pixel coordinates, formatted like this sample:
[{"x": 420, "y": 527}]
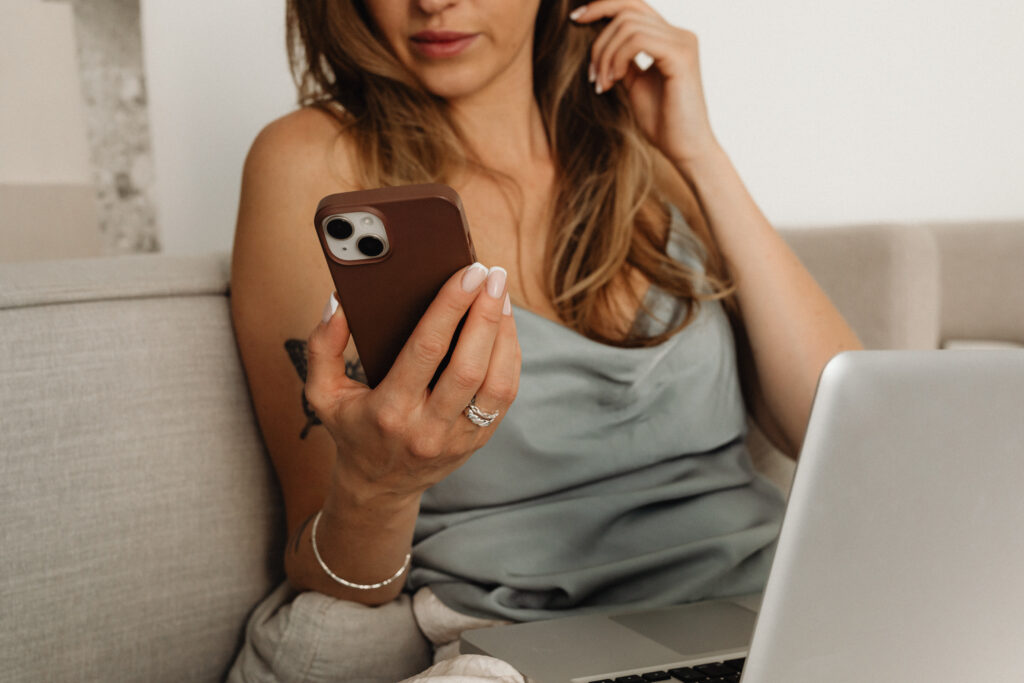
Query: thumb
[
  {"x": 333, "y": 328},
  {"x": 325, "y": 353}
]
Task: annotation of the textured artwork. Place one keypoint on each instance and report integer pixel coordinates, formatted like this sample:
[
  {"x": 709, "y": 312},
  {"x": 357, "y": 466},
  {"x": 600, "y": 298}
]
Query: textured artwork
[{"x": 109, "y": 49}]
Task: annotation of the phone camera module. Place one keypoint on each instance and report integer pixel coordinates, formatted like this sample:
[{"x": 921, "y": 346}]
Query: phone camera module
[
  {"x": 371, "y": 245},
  {"x": 339, "y": 228},
  {"x": 354, "y": 236}
]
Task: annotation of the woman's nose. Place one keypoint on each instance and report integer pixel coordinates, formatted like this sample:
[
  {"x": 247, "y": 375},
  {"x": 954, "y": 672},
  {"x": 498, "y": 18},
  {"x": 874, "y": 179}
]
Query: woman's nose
[{"x": 435, "y": 6}]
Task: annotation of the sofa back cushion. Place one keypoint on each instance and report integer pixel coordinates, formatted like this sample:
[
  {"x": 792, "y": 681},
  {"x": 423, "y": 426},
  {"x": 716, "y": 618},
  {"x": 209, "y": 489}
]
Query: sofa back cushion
[
  {"x": 884, "y": 279},
  {"x": 140, "y": 519},
  {"x": 982, "y": 281}
]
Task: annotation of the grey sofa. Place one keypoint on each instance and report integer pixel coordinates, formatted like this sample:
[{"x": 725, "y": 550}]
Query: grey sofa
[{"x": 140, "y": 518}]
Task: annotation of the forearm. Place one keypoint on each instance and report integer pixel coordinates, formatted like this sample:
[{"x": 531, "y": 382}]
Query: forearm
[
  {"x": 792, "y": 326},
  {"x": 361, "y": 539}
]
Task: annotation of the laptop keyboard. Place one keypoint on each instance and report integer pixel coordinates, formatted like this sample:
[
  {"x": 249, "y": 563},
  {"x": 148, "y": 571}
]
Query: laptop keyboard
[{"x": 715, "y": 672}]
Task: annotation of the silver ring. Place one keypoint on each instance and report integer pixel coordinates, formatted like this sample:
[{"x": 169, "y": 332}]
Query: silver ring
[
  {"x": 643, "y": 60},
  {"x": 481, "y": 418}
]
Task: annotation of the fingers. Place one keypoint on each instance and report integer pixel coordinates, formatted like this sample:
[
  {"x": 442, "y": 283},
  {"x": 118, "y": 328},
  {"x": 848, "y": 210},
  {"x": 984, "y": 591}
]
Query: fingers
[
  {"x": 325, "y": 372},
  {"x": 332, "y": 332},
  {"x": 427, "y": 345},
  {"x": 330, "y": 336},
  {"x": 630, "y": 43},
  {"x": 470, "y": 365},
  {"x": 615, "y": 49},
  {"x": 636, "y": 37},
  {"x": 502, "y": 382},
  {"x": 603, "y": 9}
]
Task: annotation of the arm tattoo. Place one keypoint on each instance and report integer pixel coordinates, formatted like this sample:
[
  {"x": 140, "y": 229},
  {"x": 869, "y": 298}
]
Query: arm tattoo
[
  {"x": 296, "y": 349},
  {"x": 354, "y": 370}
]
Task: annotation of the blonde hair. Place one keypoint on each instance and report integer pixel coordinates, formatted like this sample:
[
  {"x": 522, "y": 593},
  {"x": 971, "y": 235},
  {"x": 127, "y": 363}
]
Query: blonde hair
[{"x": 608, "y": 220}]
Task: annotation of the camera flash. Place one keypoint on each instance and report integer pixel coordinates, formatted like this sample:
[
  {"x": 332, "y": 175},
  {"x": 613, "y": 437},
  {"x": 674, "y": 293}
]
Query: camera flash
[{"x": 367, "y": 221}]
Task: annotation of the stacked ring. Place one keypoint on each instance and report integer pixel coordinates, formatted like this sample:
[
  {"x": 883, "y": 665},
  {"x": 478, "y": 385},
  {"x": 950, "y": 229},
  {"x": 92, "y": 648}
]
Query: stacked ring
[{"x": 480, "y": 418}]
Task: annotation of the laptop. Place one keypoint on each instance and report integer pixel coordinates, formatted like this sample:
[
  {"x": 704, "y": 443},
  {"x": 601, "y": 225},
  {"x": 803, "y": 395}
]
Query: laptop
[{"x": 900, "y": 557}]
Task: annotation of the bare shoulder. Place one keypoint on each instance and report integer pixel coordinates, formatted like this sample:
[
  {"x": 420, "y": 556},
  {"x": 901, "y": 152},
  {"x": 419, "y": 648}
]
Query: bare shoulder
[
  {"x": 293, "y": 162},
  {"x": 306, "y": 145}
]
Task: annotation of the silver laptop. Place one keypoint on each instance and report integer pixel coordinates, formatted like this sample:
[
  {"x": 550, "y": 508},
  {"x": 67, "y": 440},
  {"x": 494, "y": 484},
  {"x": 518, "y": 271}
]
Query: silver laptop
[{"x": 901, "y": 555}]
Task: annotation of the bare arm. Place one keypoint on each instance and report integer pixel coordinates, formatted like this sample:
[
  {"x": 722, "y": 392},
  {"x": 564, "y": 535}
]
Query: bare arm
[
  {"x": 279, "y": 284},
  {"x": 359, "y": 457},
  {"x": 792, "y": 327}
]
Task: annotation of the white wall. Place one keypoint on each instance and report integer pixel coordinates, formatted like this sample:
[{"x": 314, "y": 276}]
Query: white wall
[
  {"x": 872, "y": 110},
  {"x": 216, "y": 73},
  {"x": 42, "y": 124},
  {"x": 834, "y": 112},
  {"x": 47, "y": 197}
]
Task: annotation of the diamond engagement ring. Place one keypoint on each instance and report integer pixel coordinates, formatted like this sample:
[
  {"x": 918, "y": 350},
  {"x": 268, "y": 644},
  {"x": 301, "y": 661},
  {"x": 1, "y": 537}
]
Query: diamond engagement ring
[{"x": 480, "y": 418}]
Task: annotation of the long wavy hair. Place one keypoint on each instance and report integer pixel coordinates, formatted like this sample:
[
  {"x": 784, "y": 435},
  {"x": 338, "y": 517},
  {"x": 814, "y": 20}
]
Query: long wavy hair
[{"x": 608, "y": 220}]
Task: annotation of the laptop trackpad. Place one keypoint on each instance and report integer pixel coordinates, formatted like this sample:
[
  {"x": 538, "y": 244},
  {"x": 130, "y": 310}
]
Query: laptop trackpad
[{"x": 696, "y": 629}]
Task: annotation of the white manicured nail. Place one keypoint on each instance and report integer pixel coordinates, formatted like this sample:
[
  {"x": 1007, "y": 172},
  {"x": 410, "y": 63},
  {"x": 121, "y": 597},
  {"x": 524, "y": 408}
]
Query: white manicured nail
[
  {"x": 330, "y": 308},
  {"x": 496, "y": 277},
  {"x": 507, "y": 308},
  {"x": 577, "y": 13},
  {"x": 598, "y": 89},
  {"x": 473, "y": 276},
  {"x": 591, "y": 74}
]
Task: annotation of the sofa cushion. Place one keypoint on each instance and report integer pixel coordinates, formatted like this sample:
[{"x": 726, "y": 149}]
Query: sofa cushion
[
  {"x": 141, "y": 521},
  {"x": 884, "y": 279}
]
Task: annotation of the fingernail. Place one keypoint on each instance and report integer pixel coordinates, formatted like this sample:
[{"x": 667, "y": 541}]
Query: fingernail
[
  {"x": 578, "y": 12},
  {"x": 473, "y": 276},
  {"x": 330, "y": 308},
  {"x": 598, "y": 89},
  {"x": 496, "y": 277},
  {"x": 591, "y": 74},
  {"x": 507, "y": 308}
]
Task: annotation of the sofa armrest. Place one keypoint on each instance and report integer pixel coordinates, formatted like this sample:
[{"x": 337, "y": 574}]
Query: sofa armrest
[{"x": 141, "y": 520}]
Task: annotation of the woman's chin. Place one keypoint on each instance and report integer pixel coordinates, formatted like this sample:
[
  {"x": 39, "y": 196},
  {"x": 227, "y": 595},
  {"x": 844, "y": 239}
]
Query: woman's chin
[{"x": 452, "y": 84}]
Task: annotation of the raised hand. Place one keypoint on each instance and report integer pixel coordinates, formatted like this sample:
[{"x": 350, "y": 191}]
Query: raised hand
[{"x": 659, "y": 66}]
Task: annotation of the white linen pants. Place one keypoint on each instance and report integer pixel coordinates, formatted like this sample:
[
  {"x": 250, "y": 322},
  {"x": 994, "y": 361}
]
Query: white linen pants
[{"x": 313, "y": 638}]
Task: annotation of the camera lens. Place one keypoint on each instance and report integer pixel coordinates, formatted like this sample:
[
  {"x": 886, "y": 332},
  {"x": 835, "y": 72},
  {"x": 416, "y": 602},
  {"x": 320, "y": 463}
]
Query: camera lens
[
  {"x": 370, "y": 245},
  {"x": 339, "y": 228}
]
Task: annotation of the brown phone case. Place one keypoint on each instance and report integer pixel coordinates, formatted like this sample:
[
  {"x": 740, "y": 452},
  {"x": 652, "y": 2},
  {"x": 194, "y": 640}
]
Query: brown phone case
[{"x": 385, "y": 297}]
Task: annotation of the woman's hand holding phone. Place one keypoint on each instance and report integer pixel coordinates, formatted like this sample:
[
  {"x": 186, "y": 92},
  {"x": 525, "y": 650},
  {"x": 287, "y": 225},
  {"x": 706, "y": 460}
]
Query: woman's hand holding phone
[
  {"x": 433, "y": 330},
  {"x": 400, "y": 438}
]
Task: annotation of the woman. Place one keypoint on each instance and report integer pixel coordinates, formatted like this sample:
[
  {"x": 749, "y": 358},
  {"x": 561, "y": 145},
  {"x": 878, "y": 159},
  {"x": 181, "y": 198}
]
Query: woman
[{"x": 607, "y": 212}]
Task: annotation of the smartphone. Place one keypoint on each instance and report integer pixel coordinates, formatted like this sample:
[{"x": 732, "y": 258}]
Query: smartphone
[{"x": 389, "y": 251}]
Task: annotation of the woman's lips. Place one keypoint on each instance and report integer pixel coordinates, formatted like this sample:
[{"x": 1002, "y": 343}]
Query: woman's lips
[{"x": 441, "y": 43}]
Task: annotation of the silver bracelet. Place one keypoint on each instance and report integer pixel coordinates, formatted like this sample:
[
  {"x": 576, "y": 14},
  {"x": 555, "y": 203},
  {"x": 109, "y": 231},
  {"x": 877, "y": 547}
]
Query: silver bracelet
[{"x": 349, "y": 584}]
